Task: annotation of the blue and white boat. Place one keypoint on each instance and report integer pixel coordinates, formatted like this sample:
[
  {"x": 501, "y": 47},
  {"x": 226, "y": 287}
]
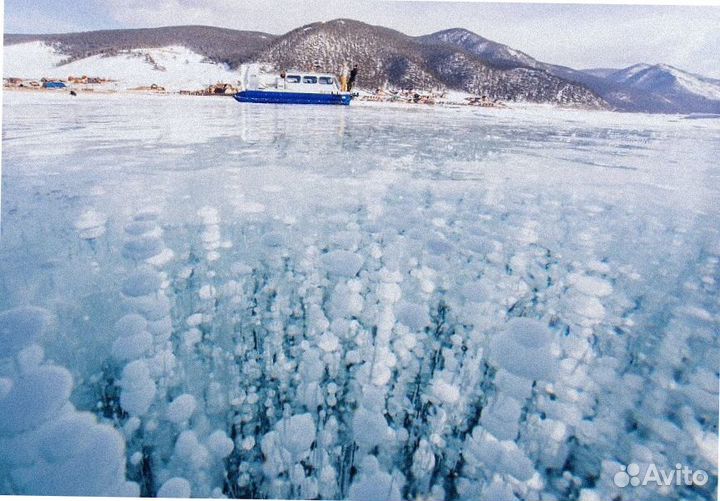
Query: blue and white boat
[{"x": 293, "y": 87}]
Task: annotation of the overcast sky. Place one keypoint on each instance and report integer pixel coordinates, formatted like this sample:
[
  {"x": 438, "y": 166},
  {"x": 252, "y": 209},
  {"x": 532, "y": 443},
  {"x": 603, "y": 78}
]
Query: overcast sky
[{"x": 581, "y": 36}]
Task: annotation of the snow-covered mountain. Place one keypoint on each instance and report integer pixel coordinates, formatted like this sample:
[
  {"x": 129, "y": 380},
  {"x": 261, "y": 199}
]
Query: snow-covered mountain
[
  {"x": 385, "y": 56},
  {"x": 641, "y": 87},
  {"x": 623, "y": 75},
  {"x": 599, "y": 72},
  {"x": 657, "y": 88},
  {"x": 222, "y": 45},
  {"x": 495, "y": 53},
  {"x": 174, "y": 67},
  {"x": 388, "y": 57},
  {"x": 667, "y": 80}
]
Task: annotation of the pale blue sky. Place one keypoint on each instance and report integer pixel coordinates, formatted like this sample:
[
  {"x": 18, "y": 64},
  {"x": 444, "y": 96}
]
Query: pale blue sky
[{"x": 580, "y": 36}]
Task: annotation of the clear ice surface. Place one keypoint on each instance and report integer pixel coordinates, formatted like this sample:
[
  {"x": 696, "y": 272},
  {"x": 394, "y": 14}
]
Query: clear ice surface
[{"x": 203, "y": 298}]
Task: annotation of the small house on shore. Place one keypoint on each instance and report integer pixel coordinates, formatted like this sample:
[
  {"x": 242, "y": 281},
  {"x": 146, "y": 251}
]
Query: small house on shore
[
  {"x": 86, "y": 80},
  {"x": 12, "y": 82}
]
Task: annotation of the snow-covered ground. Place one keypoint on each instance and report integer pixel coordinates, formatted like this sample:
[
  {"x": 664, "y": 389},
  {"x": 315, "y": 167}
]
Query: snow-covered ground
[
  {"x": 205, "y": 298},
  {"x": 174, "y": 68}
]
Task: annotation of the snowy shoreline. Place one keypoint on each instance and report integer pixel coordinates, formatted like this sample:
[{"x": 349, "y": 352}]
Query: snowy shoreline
[{"x": 507, "y": 107}]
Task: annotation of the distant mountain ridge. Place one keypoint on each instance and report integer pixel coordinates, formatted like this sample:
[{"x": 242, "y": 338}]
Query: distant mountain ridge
[
  {"x": 667, "y": 79},
  {"x": 388, "y": 56},
  {"x": 656, "y": 88},
  {"x": 494, "y": 53},
  {"x": 662, "y": 88},
  {"x": 452, "y": 59},
  {"x": 221, "y": 45}
]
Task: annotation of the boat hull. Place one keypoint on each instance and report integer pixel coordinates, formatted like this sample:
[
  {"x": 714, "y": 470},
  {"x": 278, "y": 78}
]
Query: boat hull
[{"x": 275, "y": 97}]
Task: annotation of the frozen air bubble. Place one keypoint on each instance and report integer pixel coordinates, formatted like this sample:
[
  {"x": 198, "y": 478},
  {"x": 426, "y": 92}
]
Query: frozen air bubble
[
  {"x": 523, "y": 348},
  {"x": 445, "y": 392},
  {"x": 590, "y": 286},
  {"x": 342, "y": 263},
  {"x": 373, "y": 484},
  {"x": 370, "y": 428},
  {"x": 34, "y": 398},
  {"x": 76, "y": 456},
  {"x": 328, "y": 342},
  {"x": 176, "y": 487},
  {"x": 181, "y": 409},
  {"x": 209, "y": 215},
  {"x": 296, "y": 433},
  {"x": 141, "y": 283},
  {"x": 91, "y": 224},
  {"x": 147, "y": 214},
  {"x": 155, "y": 307},
  {"x": 138, "y": 389},
  {"x": 161, "y": 259},
  {"x": 211, "y": 237},
  {"x": 142, "y": 248},
  {"x": 130, "y": 324},
  {"x": 144, "y": 228},
  {"x": 413, "y": 316},
  {"x": 132, "y": 346},
  {"x": 219, "y": 444},
  {"x": 20, "y": 327},
  {"x": 588, "y": 307}
]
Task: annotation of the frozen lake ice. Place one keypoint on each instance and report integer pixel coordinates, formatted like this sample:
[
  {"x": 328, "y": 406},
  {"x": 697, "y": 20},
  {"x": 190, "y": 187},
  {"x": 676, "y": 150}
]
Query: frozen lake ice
[{"x": 355, "y": 302}]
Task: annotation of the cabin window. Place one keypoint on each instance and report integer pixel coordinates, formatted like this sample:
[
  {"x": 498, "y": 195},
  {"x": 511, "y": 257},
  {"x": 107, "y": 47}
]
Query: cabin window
[
  {"x": 292, "y": 79},
  {"x": 309, "y": 80},
  {"x": 326, "y": 80}
]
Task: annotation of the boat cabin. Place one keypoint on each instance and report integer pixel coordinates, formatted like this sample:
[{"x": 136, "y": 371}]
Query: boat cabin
[
  {"x": 253, "y": 78},
  {"x": 307, "y": 82}
]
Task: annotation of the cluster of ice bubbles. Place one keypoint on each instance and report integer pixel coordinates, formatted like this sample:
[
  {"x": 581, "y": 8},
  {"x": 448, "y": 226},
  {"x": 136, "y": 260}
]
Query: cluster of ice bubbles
[{"x": 409, "y": 356}]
